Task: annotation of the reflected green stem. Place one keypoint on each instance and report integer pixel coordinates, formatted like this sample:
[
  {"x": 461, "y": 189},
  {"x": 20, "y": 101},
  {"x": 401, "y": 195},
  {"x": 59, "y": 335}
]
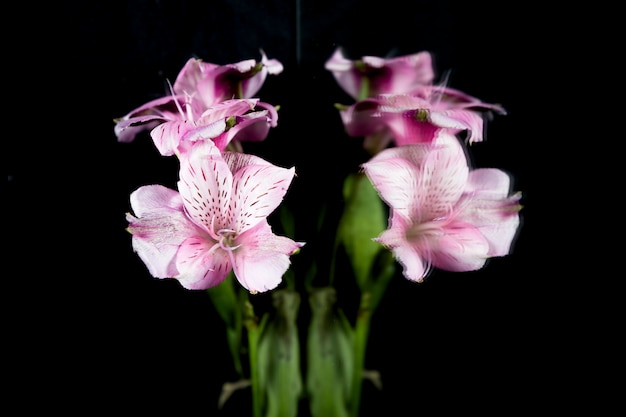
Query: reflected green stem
[
  {"x": 361, "y": 335},
  {"x": 370, "y": 299}
]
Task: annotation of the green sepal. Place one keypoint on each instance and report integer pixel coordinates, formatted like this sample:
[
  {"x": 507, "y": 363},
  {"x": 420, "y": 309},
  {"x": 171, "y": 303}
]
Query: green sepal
[
  {"x": 363, "y": 219},
  {"x": 330, "y": 360},
  {"x": 280, "y": 379}
]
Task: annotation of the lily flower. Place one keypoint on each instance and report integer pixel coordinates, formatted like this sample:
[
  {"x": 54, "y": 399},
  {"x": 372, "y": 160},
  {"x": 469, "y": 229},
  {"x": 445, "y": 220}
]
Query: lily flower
[
  {"x": 215, "y": 223},
  {"x": 372, "y": 75},
  {"x": 198, "y": 86},
  {"x": 153, "y": 113},
  {"x": 227, "y": 124},
  {"x": 213, "y": 83},
  {"x": 442, "y": 213},
  {"x": 416, "y": 117}
]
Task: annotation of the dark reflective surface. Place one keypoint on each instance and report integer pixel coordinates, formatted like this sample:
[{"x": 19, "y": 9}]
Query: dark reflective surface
[{"x": 128, "y": 342}]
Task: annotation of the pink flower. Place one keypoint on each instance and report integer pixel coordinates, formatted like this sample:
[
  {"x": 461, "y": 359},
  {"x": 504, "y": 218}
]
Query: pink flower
[
  {"x": 227, "y": 123},
  {"x": 442, "y": 214},
  {"x": 416, "y": 117},
  {"x": 216, "y": 223},
  {"x": 153, "y": 113},
  {"x": 370, "y": 75},
  {"x": 199, "y": 86},
  {"x": 212, "y": 83}
]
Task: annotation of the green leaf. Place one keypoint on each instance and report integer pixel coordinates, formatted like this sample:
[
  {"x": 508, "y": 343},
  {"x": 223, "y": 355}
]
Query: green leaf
[
  {"x": 363, "y": 219},
  {"x": 279, "y": 357},
  {"x": 330, "y": 359}
]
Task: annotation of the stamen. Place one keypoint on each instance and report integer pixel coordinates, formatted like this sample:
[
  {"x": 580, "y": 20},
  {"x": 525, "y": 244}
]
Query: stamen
[
  {"x": 226, "y": 238},
  {"x": 212, "y": 228},
  {"x": 180, "y": 110}
]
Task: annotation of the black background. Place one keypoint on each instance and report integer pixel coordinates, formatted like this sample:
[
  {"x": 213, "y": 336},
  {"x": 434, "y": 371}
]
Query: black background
[{"x": 92, "y": 327}]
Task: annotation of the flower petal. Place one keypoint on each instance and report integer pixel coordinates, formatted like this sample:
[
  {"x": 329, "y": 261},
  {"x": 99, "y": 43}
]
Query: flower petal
[
  {"x": 147, "y": 116},
  {"x": 200, "y": 267},
  {"x": 193, "y": 71},
  {"x": 421, "y": 181},
  {"x": 258, "y": 188},
  {"x": 488, "y": 206},
  {"x": 262, "y": 258},
  {"x": 159, "y": 228},
  {"x": 461, "y": 247},
  {"x": 206, "y": 185}
]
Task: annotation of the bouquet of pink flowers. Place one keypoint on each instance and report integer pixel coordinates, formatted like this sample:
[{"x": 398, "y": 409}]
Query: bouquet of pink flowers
[{"x": 416, "y": 202}]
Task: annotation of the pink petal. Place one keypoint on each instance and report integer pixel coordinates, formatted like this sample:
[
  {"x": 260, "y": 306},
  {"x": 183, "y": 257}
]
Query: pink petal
[
  {"x": 421, "y": 181},
  {"x": 206, "y": 185},
  {"x": 250, "y": 86},
  {"x": 149, "y": 198},
  {"x": 361, "y": 119},
  {"x": 263, "y": 258},
  {"x": 407, "y": 130},
  {"x": 343, "y": 71},
  {"x": 488, "y": 206},
  {"x": 246, "y": 130},
  {"x": 200, "y": 267},
  {"x": 193, "y": 71},
  {"x": 146, "y": 117},
  {"x": 461, "y": 119},
  {"x": 258, "y": 190},
  {"x": 460, "y": 248},
  {"x": 392, "y": 175},
  {"x": 401, "y": 74},
  {"x": 159, "y": 228},
  {"x": 273, "y": 66},
  {"x": 127, "y": 130},
  {"x": 407, "y": 254},
  {"x": 227, "y": 108},
  {"x": 414, "y": 267},
  {"x": 488, "y": 183},
  {"x": 167, "y": 136},
  {"x": 210, "y": 131}
]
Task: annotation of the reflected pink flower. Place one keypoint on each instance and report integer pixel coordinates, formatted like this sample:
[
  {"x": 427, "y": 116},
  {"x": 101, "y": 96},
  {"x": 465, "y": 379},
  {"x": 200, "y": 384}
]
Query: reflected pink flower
[
  {"x": 442, "y": 213},
  {"x": 216, "y": 223},
  {"x": 417, "y": 117},
  {"x": 371, "y": 75}
]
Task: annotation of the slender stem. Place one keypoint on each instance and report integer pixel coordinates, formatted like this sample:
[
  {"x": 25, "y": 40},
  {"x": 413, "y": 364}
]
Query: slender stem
[
  {"x": 254, "y": 331},
  {"x": 338, "y": 238},
  {"x": 370, "y": 300},
  {"x": 253, "y": 337},
  {"x": 361, "y": 335},
  {"x": 333, "y": 261}
]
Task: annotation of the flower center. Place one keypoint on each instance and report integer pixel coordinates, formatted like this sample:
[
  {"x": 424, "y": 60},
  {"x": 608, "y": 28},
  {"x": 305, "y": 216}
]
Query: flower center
[
  {"x": 424, "y": 230},
  {"x": 226, "y": 239},
  {"x": 421, "y": 115}
]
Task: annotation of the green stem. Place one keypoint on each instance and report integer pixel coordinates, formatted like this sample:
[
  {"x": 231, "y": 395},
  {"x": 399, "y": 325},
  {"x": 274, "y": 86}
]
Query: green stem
[
  {"x": 254, "y": 331},
  {"x": 370, "y": 300},
  {"x": 361, "y": 335},
  {"x": 364, "y": 91},
  {"x": 333, "y": 261}
]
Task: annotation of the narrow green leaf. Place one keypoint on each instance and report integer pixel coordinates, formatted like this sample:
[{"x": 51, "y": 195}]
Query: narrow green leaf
[
  {"x": 329, "y": 356},
  {"x": 279, "y": 357},
  {"x": 363, "y": 219}
]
